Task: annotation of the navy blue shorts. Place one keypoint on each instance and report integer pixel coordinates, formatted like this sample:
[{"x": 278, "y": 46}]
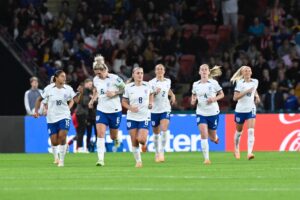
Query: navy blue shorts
[
  {"x": 240, "y": 118},
  {"x": 54, "y": 128},
  {"x": 156, "y": 117},
  {"x": 211, "y": 121},
  {"x": 112, "y": 120},
  {"x": 131, "y": 124}
]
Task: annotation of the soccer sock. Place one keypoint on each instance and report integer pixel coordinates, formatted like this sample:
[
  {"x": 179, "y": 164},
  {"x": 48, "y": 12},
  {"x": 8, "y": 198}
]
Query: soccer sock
[
  {"x": 164, "y": 138},
  {"x": 55, "y": 152},
  {"x": 250, "y": 140},
  {"x": 237, "y": 139},
  {"x": 62, "y": 152},
  {"x": 205, "y": 148},
  {"x": 100, "y": 148},
  {"x": 137, "y": 154},
  {"x": 156, "y": 143}
]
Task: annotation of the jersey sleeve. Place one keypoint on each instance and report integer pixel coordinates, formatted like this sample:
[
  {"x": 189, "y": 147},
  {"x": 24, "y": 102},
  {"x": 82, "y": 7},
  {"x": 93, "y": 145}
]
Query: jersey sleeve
[
  {"x": 45, "y": 93},
  {"x": 126, "y": 94},
  {"x": 72, "y": 94},
  {"x": 194, "y": 89},
  {"x": 237, "y": 87}
]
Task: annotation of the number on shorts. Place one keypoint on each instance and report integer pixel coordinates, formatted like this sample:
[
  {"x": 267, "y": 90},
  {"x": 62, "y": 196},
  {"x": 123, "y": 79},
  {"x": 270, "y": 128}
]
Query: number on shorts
[{"x": 67, "y": 123}]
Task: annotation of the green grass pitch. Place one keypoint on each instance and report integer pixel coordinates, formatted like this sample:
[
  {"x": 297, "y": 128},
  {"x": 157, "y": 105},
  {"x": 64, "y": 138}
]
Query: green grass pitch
[{"x": 271, "y": 175}]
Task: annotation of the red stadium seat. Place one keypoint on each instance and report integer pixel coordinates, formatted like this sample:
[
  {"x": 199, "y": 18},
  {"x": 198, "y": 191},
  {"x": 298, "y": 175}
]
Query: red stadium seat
[
  {"x": 208, "y": 29},
  {"x": 187, "y": 63},
  {"x": 213, "y": 42},
  {"x": 189, "y": 29},
  {"x": 224, "y": 33}
]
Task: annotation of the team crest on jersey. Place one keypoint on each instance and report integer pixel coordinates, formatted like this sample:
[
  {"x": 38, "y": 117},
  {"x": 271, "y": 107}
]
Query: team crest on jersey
[
  {"x": 65, "y": 96},
  {"x": 146, "y": 91},
  {"x": 107, "y": 84}
]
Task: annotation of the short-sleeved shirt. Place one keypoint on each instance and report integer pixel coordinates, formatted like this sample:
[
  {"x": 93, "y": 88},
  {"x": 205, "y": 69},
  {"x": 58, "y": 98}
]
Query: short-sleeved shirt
[
  {"x": 203, "y": 91},
  {"x": 110, "y": 83},
  {"x": 161, "y": 101},
  {"x": 138, "y": 96},
  {"x": 57, "y": 99},
  {"x": 246, "y": 103}
]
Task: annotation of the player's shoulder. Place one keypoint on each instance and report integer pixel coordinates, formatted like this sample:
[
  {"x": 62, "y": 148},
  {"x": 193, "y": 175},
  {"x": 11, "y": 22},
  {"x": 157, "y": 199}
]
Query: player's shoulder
[
  {"x": 196, "y": 83},
  {"x": 152, "y": 80},
  {"x": 213, "y": 81},
  {"x": 254, "y": 80},
  {"x": 129, "y": 85},
  {"x": 68, "y": 87},
  {"x": 146, "y": 83},
  {"x": 50, "y": 86}
]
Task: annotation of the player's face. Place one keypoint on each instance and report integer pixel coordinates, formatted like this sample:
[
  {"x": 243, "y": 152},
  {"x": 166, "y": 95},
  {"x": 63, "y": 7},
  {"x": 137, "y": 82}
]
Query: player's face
[
  {"x": 34, "y": 84},
  {"x": 247, "y": 72},
  {"x": 138, "y": 75},
  {"x": 159, "y": 70},
  {"x": 61, "y": 79},
  {"x": 204, "y": 71},
  {"x": 100, "y": 73}
]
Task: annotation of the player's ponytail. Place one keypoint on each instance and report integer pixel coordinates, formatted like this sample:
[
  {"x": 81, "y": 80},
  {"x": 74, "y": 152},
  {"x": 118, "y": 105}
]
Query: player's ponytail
[
  {"x": 215, "y": 72},
  {"x": 238, "y": 75},
  {"x": 99, "y": 63}
]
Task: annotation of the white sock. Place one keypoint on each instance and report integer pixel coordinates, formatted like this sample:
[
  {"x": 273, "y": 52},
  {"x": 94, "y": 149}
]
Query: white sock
[
  {"x": 205, "y": 148},
  {"x": 250, "y": 140},
  {"x": 100, "y": 148},
  {"x": 237, "y": 139},
  {"x": 55, "y": 152},
  {"x": 156, "y": 143},
  {"x": 62, "y": 152},
  {"x": 137, "y": 154},
  {"x": 164, "y": 138}
]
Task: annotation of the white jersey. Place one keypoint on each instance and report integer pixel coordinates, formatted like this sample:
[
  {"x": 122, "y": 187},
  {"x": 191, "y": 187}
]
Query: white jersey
[
  {"x": 161, "y": 101},
  {"x": 138, "y": 96},
  {"x": 110, "y": 83},
  {"x": 57, "y": 99},
  {"x": 203, "y": 91},
  {"x": 246, "y": 103}
]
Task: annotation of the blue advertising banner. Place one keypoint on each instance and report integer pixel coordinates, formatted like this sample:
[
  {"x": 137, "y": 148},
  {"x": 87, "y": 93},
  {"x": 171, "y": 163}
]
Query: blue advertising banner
[{"x": 183, "y": 135}]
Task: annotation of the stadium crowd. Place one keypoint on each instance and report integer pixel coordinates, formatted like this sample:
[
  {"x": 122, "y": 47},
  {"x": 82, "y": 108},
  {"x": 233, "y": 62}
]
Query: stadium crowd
[{"x": 180, "y": 34}]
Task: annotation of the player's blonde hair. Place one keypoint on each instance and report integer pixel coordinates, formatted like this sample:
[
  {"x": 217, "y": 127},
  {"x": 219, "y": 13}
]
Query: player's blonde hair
[
  {"x": 213, "y": 72},
  {"x": 99, "y": 63},
  {"x": 238, "y": 75}
]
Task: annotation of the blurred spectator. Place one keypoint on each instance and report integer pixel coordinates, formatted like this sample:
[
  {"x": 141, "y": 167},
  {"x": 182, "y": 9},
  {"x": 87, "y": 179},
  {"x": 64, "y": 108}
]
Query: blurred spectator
[
  {"x": 230, "y": 15},
  {"x": 31, "y": 96},
  {"x": 273, "y": 100},
  {"x": 291, "y": 103}
]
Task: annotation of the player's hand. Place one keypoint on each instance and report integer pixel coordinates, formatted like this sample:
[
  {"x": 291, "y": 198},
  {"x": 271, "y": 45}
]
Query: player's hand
[
  {"x": 91, "y": 105},
  {"x": 157, "y": 90},
  {"x": 173, "y": 100},
  {"x": 150, "y": 106},
  {"x": 133, "y": 108},
  {"x": 36, "y": 115},
  {"x": 193, "y": 101},
  {"x": 257, "y": 99},
  {"x": 110, "y": 94},
  {"x": 211, "y": 100},
  {"x": 249, "y": 90}
]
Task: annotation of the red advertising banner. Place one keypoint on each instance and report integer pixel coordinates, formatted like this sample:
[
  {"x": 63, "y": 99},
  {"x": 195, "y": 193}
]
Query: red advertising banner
[{"x": 273, "y": 132}]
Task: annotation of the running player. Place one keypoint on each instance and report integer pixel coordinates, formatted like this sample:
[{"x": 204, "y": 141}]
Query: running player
[
  {"x": 160, "y": 113},
  {"x": 59, "y": 97},
  {"x": 207, "y": 92},
  {"x": 108, "y": 88},
  {"x": 246, "y": 96},
  {"x": 138, "y": 99}
]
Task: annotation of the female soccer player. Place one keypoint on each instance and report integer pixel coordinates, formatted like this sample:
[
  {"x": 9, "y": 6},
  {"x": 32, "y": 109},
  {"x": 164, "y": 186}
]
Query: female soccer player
[
  {"x": 246, "y": 96},
  {"x": 207, "y": 91},
  {"x": 59, "y": 97},
  {"x": 160, "y": 113},
  {"x": 109, "y": 110},
  {"x": 137, "y": 99}
]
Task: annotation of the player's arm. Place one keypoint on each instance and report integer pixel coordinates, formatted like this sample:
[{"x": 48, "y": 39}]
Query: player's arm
[
  {"x": 26, "y": 103},
  {"x": 120, "y": 85},
  {"x": 193, "y": 99},
  {"x": 94, "y": 98},
  {"x": 125, "y": 104},
  {"x": 151, "y": 100},
  {"x": 257, "y": 98},
  {"x": 173, "y": 97},
  {"x": 37, "y": 106},
  {"x": 238, "y": 95},
  {"x": 220, "y": 95}
]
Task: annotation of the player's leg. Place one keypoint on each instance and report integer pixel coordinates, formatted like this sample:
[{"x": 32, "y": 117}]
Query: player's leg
[
  {"x": 80, "y": 132},
  {"x": 101, "y": 123},
  {"x": 204, "y": 142},
  {"x": 164, "y": 125},
  {"x": 62, "y": 137},
  {"x": 114, "y": 124},
  {"x": 212, "y": 123},
  {"x": 133, "y": 131},
  {"x": 239, "y": 119},
  {"x": 156, "y": 135},
  {"x": 251, "y": 138},
  {"x": 54, "y": 146}
]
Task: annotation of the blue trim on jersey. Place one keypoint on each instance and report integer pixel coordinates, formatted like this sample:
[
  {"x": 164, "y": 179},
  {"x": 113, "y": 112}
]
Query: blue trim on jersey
[
  {"x": 240, "y": 118},
  {"x": 54, "y": 128},
  {"x": 211, "y": 121},
  {"x": 131, "y": 124},
  {"x": 112, "y": 120},
  {"x": 157, "y": 117}
]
